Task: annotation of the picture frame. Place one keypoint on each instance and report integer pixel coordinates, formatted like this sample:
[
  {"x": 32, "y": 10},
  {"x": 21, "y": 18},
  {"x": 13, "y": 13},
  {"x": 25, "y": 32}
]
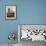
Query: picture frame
[
  {"x": 10, "y": 12},
  {"x": 33, "y": 30}
]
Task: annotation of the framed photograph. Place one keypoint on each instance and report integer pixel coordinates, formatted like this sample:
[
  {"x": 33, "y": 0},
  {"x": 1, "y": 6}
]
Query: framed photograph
[
  {"x": 10, "y": 12},
  {"x": 33, "y": 32}
]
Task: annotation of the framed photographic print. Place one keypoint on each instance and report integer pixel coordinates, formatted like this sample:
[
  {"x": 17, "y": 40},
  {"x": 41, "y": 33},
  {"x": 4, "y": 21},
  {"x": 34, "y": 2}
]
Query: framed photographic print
[{"x": 10, "y": 12}]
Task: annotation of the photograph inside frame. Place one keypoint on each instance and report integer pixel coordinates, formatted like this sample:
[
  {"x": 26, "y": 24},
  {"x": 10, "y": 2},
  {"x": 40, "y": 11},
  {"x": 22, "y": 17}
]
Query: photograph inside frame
[
  {"x": 11, "y": 12},
  {"x": 33, "y": 32}
]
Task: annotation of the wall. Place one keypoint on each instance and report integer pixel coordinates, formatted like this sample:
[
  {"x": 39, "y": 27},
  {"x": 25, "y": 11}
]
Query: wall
[
  {"x": 28, "y": 12},
  {"x": 34, "y": 12}
]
